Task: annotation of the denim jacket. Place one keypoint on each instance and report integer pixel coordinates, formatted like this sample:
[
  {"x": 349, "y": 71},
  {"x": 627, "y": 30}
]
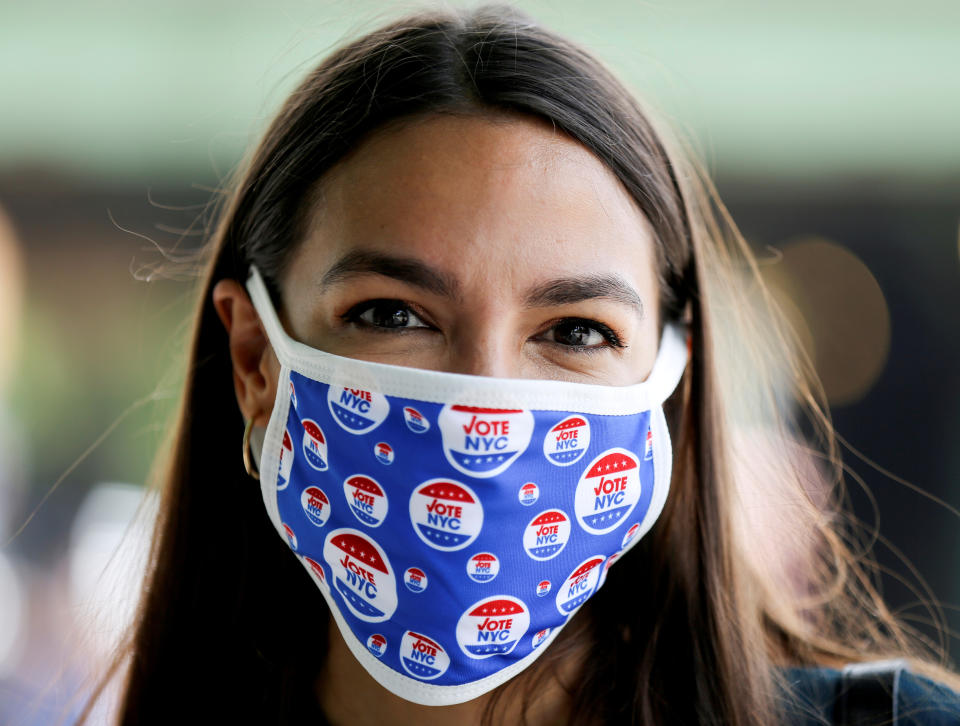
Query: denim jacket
[{"x": 871, "y": 694}]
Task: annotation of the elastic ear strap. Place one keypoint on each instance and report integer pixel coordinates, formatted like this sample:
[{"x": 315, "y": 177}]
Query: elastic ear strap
[
  {"x": 268, "y": 316},
  {"x": 670, "y": 364}
]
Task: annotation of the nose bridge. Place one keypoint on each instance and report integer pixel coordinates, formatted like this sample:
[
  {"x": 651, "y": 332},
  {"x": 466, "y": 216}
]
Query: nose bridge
[{"x": 484, "y": 347}]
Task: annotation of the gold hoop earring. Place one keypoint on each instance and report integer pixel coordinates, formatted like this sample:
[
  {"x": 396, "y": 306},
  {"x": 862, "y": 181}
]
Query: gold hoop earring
[{"x": 247, "y": 456}]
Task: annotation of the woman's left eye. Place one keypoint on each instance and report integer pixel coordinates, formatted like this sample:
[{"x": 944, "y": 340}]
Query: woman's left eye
[{"x": 581, "y": 335}]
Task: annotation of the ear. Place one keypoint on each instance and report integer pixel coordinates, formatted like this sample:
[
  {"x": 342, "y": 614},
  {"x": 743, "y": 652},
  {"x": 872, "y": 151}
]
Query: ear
[{"x": 255, "y": 365}]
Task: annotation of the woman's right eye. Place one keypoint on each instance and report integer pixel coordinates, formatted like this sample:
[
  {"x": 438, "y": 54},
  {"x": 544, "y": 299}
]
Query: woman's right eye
[{"x": 384, "y": 315}]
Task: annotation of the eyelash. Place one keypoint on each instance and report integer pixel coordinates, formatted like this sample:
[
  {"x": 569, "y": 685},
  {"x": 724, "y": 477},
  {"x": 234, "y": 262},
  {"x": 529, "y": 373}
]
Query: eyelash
[{"x": 610, "y": 336}]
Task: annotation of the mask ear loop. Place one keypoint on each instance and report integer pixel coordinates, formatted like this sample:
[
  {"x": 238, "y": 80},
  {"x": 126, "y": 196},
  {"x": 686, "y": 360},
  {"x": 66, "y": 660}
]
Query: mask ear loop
[
  {"x": 671, "y": 362},
  {"x": 282, "y": 343}
]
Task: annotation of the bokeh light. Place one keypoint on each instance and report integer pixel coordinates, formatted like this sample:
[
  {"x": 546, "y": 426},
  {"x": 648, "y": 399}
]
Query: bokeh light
[{"x": 839, "y": 312}]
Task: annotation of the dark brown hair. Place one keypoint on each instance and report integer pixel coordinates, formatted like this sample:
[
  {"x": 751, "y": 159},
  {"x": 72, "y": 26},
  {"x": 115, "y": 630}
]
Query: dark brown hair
[{"x": 230, "y": 623}]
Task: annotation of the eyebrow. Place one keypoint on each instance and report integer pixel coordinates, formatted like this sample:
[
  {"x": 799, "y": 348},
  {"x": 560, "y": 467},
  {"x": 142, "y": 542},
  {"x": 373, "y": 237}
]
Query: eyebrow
[
  {"x": 567, "y": 290},
  {"x": 405, "y": 269},
  {"x": 559, "y": 291}
]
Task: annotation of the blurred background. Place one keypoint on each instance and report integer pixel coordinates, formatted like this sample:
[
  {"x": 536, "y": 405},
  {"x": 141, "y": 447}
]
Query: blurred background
[{"x": 831, "y": 130}]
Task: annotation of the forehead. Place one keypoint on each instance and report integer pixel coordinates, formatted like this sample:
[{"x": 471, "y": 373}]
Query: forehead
[{"x": 497, "y": 201}]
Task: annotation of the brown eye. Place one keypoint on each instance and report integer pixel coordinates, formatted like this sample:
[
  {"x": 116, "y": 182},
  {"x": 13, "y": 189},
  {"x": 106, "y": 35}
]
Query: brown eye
[
  {"x": 581, "y": 335},
  {"x": 384, "y": 314}
]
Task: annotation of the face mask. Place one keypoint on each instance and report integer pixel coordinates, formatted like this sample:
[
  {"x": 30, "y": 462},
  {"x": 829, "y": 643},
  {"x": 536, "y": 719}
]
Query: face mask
[{"x": 455, "y": 523}]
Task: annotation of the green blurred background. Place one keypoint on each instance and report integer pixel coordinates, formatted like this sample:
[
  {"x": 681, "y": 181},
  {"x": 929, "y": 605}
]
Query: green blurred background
[{"x": 831, "y": 130}]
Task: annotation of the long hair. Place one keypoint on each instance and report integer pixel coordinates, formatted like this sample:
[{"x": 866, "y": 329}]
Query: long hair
[{"x": 691, "y": 624}]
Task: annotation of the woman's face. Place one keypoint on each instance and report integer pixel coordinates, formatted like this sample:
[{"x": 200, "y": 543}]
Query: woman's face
[{"x": 495, "y": 247}]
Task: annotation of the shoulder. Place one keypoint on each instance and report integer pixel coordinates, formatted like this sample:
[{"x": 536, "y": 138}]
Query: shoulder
[{"x": 821, "y": 696}]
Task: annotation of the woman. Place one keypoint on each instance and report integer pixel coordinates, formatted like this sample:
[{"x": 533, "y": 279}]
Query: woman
[{"x": 467, "y": 193}]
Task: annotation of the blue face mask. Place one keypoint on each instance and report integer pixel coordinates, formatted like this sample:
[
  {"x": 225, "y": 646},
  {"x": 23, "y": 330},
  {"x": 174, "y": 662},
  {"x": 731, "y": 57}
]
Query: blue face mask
[{"x": 455, "y": 523}]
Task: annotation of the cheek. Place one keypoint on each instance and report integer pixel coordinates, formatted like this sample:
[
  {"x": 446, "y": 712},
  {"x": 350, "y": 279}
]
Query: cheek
[
  {"x": 606, "y": 366},
  {"x": 598, "y": 370}
]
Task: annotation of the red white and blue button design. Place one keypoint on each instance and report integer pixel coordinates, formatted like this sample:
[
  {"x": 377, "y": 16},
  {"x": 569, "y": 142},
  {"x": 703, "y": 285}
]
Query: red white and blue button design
[
  {"x": 291, "y": 536},
  {"x": 546, "y": 534},
  {"x": 492, "y": 626},
  {"x": 608, "y": 490},
  {"x": 543, "y": 588},
  {"x": 416, "y": 421},
  {"x": 483, "y": 442},
  {"x": 579, "y": 584},
  {"x": 423, "y": 657},
  {"x": 366, "y": 499},
  {"x": 648, "y": 447},
  {"x": 415, "y": 579},
  {"x": 529, "y": 494},
  {"x": 566, "y": 443},
  {"x": 446, "y": 514},
  {"x": 483, "y": 567},
  {"x": 377, "y": 644},
  {"x": 286, "y": 461},
  {"x": 384, "y": 453},
  {"x": 357, "y": 410},
  {"x": 629, "y": 535},
  {"x": 315, "y": 505},
  {"x": 314, "y": 445},
  {"x": 316, "y": 569},
  {"x": 539, "y": 637},
  {"x": 293, "y": 394},
  {"x": 362, "y": 574}
]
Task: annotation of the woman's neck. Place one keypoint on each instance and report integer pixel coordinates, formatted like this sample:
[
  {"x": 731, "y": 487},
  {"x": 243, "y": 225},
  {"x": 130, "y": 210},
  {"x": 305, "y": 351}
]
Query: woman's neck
[{"x": 349, "y": 695}]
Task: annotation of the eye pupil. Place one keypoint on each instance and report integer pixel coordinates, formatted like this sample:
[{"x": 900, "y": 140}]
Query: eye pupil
[
  {"x": 390, "y": 316},
  {"x": 572, "y": 333}
]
